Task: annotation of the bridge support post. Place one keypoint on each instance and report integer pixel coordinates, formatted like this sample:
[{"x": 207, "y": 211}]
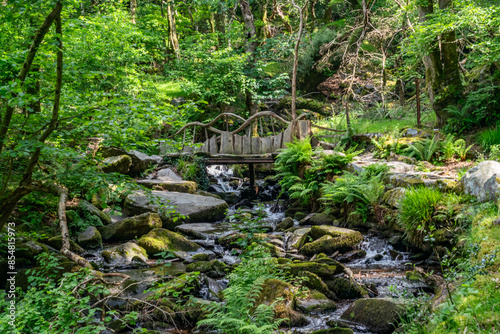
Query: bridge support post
[{"x": 251, "y": 170}]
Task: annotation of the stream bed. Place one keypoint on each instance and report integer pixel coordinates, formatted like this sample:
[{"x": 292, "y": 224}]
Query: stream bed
[{"x": 382, "y": 269}]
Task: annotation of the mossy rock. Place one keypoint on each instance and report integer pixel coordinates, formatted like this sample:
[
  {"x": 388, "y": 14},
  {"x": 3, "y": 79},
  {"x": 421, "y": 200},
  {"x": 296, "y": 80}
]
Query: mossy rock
[
  {"x": 132, "y": 227},
  {"x": 185, "y": 284},
  {"x": 202, "y": 257},
  {"x": 160, "y": 240},
  {"x": 275, "y": 289},
  {"x": 393, "y": 196},
  {"x": 320, "y": 269},
  {"x": 233, "y": 240},
  {"x": 414, "y": 276},
  {"x": 56, "y": 242},
  {"x": 299, "y": 215},
  {"x": 213, "y": 269},
  {"x": 338, "y": 330},
  {"x": 316, "y": 302},
  {"x": 314, "y": 282},
  {"x": 299, "y": 238},
  {"x": 117, "y": 164},
  {"x": 345, "y": 288},
  {"x": 284, "y": 224},
  {"x": 321, "y": 219},
  {"x": 85, "y": 206},
  {"x": 27, "y": 249},
  {"x": 125, "y": 254},
  {"x": 377, "y": 314},
  {"x": 90, "y": 238},
  {"x": 303, "y": 103},
  {"x": 179, "y": 186},
  {"x": 329, "y": 239}
]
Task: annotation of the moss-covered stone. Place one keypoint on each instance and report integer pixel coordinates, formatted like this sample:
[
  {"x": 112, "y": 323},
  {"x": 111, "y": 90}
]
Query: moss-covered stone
[
  {"x": 132, "y": 227},
  {"x": 213, "y": 269},
  {"x": 393, "y": 196},
  {"x": 178, "y": 186},
  {"x": 276, "y": 290},
  {"x": 377, "y": 314},
  {"x": 56, "y": 242},
  {"x": 329, "y": 239},
  {"x": 90, "y": 238},
  {"x": 414, "y": 276},
  {"x": 160, "y": 240},
  {"x": 338, "y": 330},
  {"x": 201, "y": 257},
  {"x": 299, "y": 238},
  {"x": 299, "y": 215},
  {"x": 284, "y": 224},
  {"x": 345, "y": 288},
  {"x": 118, "y": 164},
  {"x": 314, "y": 282},
  {"x": 320, "y": 269},
  {"x": 125, "y": 254},
  {"x": 316, "y": 302},
  {"x": 85, "y": 206},
  {"x": 321, "y": 219}
]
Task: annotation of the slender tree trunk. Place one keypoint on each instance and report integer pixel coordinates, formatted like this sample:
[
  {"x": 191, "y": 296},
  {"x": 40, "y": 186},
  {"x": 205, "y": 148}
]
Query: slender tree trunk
[
  {"x": 25, "y": 186},
  {"x": 265, "y": 30},
  {"x": 251, "y": 47},
  {"x": 133, "y": 9},
  {"x": 281, "y": 15},
  {"x": 296, "y": 58},
  {"x": 37, "y": 40},
  {"x": 172, "y": 31}
]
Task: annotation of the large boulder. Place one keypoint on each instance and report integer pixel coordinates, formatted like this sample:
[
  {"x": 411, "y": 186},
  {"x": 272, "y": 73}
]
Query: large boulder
[
  {"x": 298, "y": 238},
  {"x": 213, "y": 269},
  {"x": 90, "y": 238},
  {"x": 483, "y": 181},
  {"x": 378, "y": 315},
  {"x": 166, "y": 174},
  {"x": 316, "y": 302},
  {"x": 195, "y": 208},
  {"x": 132, "y": 227},
  {"x": 170, "y": 185},
  {"x": 328, "y": 239},
  {"x": 125, "y": 254},
  {"x": 119, "y": 164},
  {"x": 161, "y": 240}
]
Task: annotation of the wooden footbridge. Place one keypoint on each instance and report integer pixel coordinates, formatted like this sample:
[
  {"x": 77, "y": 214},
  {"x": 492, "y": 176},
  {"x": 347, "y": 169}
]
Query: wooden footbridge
[{"x": 224, "y": 147}]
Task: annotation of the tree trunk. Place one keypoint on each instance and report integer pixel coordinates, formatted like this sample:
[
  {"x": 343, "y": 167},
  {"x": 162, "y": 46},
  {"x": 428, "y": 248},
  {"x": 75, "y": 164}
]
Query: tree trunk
[
  {"x": 172, "y": 31},
  {"x": 25, "y": 186},
  {"x": 296, "y": 58},
  {"x": 133, "y": 8},
  {"x": 251, "y": 32},
  {"x": 281, "y": 15},
  {"x": 442, "y": 72}
]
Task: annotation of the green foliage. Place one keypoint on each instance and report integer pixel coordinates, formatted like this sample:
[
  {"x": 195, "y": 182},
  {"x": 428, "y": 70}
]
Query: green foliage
[
  {"x": 192, "y": 168},
  {"x": 79, "y": 223},
  {"x": 450, "y": 147},
  {"x": 302, "y": 174},
  {"x": 54, "y": 304},
  {"x": 425, "y": 149},
  {"x": 462, "y": 149},
  {"x": 416, "y": 213},
  {"x": 239, "y": 313},
  {"x": 494, "y": 152},
  {"x": 387, "y": 144},
  {"x": 249, "y": 224},
  {"x": 358, "y": 193},
  {"x": 489, "y": 138}
]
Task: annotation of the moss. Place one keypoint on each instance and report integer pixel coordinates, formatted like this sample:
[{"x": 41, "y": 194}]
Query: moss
[
  {"x": 314, "y": 282},
  {"x": 321, "y": 219},
  {"x": 320, "y": 269},
  {"x": 345, "y": 288},
  {"x": 159, "y": 240},
  {"x": 377, "y": 314},
  {"x": 330, "y": 239},
  {"x": 201, "y": 257},
  {"x": 213, "y": 269}
]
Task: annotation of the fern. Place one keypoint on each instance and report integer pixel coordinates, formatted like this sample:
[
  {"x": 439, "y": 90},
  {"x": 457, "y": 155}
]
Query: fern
[
  {"x": 425, "y": 149},
  {"x": 240, "y": 314},
  {"x": 462, "y": 148}
]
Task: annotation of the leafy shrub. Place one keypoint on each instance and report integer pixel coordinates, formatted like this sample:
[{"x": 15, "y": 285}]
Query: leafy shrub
[
  {"x": 448, "y": 147},
  {"x": 387, "y": 144},
  {"x": 462, "y": 149},
  {"x": 416, "y": 213},
  {"x": 54, "y": 304},
  {"x": 239, "y": 313},
  {"x": 494, "y": 152}
]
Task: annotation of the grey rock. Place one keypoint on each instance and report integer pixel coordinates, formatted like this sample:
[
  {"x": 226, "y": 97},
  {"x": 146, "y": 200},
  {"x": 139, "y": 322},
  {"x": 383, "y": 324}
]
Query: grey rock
[
  {"x": 90, "y": 238},
  {"x": 119, "y": 164},
  {"x": 483, "y": 181},
  {"x": 125, "y": 254},
  {"x": 167, "y": 174},
  {"x": 195, "y": 208}
]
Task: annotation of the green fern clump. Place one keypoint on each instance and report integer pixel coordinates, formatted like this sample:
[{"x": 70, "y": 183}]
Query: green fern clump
[
  {"x": 358, "y": 193},
  {"x": 489, "y": 138},
  {"x": 388, "y": 144},
  {"x": 462, "y": 149},
  {"x": 416, "y": 211},
  {"x": 239, "y": 314},
  {"x": 424, "y": 150}
]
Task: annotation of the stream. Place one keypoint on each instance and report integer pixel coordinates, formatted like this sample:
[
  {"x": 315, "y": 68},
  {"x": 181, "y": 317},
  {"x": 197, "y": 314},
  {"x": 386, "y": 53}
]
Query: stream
[{"x": 382, "y": 268}]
